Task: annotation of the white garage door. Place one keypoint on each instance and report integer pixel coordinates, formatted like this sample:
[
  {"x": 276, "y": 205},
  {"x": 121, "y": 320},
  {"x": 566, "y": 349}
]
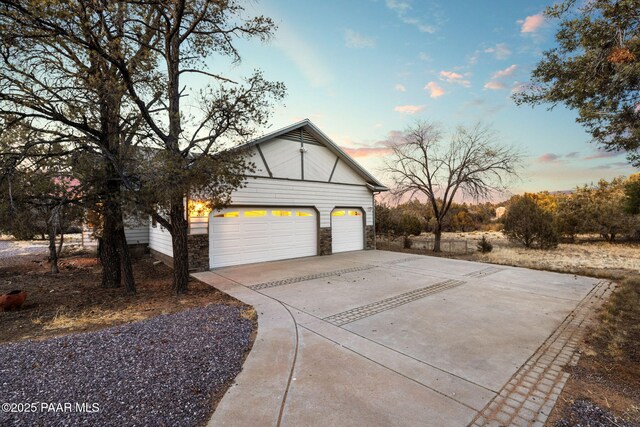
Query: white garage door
[
  {"x": 246, "y": 235},
  {"x": 347, "y": 233}
]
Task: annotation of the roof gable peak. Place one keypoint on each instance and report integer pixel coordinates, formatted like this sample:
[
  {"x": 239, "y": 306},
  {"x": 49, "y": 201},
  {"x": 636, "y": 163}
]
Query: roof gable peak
[{"x": 310, "y": 133}]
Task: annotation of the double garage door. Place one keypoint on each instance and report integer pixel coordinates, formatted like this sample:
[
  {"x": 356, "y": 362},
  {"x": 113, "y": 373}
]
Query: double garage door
[{"x": 257, "y": 234}]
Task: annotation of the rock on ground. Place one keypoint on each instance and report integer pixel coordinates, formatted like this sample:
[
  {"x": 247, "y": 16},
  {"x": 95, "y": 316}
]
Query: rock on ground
[
  {"x": 584, "y": 413},
  {"x": 163, "y": 371}
]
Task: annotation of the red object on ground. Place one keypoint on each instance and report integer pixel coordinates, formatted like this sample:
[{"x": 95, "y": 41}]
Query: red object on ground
[{"x": 13, "y": 300}]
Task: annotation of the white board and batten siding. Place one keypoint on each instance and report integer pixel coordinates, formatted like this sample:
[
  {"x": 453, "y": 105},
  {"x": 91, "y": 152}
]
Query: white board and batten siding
[
  {"x": 160, "y": 239},
  {"x": 137, "y": 234},
  {"x": 199, "y": 225},
  {"x": 135, "y": 231},
  {"x": 283, "y": 161}
]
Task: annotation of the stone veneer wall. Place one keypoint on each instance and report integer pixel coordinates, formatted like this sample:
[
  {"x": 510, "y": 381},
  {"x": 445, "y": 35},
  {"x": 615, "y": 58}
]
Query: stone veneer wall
[
  {"x": 198, "y": 247},
  {"x": 369, "y": 237},
  {"x": 325, "y": 240}
]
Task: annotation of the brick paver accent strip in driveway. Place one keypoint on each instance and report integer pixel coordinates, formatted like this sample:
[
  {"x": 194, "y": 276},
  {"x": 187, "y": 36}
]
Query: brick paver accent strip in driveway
[
  {"x": 401, "y": 260},
  {"x": 484, "y": 272},
  {"x": 299, "y": 279},
  {"x": 528, "y": 398},
  {"x": 367, "y": 310}
]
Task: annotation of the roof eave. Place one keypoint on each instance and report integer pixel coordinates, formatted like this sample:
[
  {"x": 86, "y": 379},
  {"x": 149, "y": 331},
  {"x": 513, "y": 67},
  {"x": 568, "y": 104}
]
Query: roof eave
[{"x": 377, "y": 188}]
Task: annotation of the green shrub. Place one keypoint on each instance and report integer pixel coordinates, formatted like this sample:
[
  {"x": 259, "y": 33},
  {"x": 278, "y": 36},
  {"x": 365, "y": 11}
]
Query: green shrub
[
  {"x": 484, "y": 245},
  {"x": 526, "y": 222}
]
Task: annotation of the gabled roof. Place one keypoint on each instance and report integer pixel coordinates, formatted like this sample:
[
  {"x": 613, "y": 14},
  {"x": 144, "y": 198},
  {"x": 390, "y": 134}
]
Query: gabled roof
[{"x": 313, "y": 130}]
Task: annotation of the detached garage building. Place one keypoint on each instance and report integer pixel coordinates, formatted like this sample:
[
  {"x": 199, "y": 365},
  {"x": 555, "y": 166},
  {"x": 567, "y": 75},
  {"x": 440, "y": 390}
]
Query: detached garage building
[{"x": 306, "y": 197}]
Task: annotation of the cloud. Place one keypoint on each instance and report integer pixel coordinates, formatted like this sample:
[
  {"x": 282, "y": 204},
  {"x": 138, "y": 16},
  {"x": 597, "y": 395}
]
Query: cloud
[
  {"x": 615, "y": 166},
  {"x": 479, "y": 107},
  {"x": 398, "y": 6},
  {"x": 376, "y": 149},
  {"x": 473, "y": 58},
  {"x": 400, "y": 87},
  {"x": 532, "y": 23},
  {"x": 401, "y": 9},
  {"x": 604, "y": 155},
  {"x": 423, "y": 28},
  {"x": 500, "y": 51},
  {"x": 303, "y": 55},
  {"x": 548, "y": 158},
  {"x": 555, "y": 158},
  {"x": 356, "y": 40},
  {"x": 435, "y": 90},
  {"x": 408, "y": 109},
  {"x": 494, "y": 85},
  {"x": 424, "y": 57},
  {"x": 520, "y": 87},
  {"x": 507, "y": 72},
  {"x": 452, "y": 77}
]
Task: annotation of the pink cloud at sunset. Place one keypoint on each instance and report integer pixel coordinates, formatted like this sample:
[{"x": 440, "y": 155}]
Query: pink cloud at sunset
[
  {"x": 435, "y": 90},
  {"x": 505, "y": 73},
  {"x": 532, "y": 23},
  {"x": 376, "y": 149},
  {"x": 453, "y": 77},
  {"x": 408, "y": 109},
  {"x": 493, "y": 85}
]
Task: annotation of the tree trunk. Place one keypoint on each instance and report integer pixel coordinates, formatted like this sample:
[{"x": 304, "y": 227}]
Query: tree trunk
[
  {"x": 437, "y": 237},
  {"x": 109, "y": 256},
  {"x": 179, "y": 227},
  {"x": 53, "y": 255},
  {"x": 61, "y": 243},
  {"x": 124, "y": 255}
]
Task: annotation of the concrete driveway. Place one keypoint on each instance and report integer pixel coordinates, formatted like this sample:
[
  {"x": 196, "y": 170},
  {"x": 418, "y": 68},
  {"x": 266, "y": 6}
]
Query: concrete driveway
[{"x": 384, "y": 338}]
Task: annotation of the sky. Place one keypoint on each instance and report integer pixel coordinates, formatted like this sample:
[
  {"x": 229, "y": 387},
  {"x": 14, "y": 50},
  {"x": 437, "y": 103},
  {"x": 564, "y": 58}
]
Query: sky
[{"x": 364, "y": 70}]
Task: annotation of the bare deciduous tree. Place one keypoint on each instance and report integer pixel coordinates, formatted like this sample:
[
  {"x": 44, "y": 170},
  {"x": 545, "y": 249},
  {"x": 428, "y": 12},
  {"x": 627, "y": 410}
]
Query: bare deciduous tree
[{"x": 471, "y": 163}]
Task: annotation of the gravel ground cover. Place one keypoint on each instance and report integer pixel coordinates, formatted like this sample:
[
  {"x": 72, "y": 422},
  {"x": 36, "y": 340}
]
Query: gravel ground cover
[
  {"x": 583, "y": 413},
  {"x": 163, "y": 371}
]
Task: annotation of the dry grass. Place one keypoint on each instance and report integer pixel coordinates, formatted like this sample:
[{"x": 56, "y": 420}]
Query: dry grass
[
  {"x": 587, "y": 257},
  {"x": 89, "y": 318},
  {"x": 249, "y": 313},
  {"x": 570, "y": 258},
  {"x": 618, "y": 334}
]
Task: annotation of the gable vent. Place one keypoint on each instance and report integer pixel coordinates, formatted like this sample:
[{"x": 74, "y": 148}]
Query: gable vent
[{"x": 297, "y": 134}]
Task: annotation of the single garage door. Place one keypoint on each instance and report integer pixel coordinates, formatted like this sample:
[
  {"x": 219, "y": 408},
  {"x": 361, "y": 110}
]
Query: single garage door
[
  {"x": 347, "y": 230},
  {"x": 246, "y": 235}
]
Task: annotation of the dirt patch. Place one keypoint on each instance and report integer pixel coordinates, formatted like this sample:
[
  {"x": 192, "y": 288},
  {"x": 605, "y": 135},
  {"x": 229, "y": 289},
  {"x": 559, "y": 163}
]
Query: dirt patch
[{"x": 73, "y": 301}]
